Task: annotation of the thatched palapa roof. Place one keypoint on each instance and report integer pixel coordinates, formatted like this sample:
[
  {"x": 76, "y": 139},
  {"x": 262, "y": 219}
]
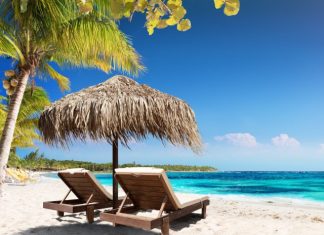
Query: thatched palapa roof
[{"x": 119, "y": 108}]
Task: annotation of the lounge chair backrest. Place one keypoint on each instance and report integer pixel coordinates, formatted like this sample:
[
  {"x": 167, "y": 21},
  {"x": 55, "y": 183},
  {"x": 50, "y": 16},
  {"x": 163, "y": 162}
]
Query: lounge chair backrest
[
  {"x": 83, "y": 183},
  {"x": 148, "y": 188}
]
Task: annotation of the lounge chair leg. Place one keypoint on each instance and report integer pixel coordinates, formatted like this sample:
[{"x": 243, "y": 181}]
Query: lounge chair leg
[
  {"x": 203, "y": 211},
  {"x": 60, "y": 213},
  {"x": 90, "y": 214},
  {"x": 114, "y": 225},
  {"x": 165, "y": 226}
]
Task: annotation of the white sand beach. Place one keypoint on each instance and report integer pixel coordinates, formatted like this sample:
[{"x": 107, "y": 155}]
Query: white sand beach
[{"x": 21, "y": 212}]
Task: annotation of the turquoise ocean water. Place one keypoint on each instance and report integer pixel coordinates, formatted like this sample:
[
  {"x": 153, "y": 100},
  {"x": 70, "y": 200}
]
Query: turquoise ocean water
[{"x": 295, "y": 185}]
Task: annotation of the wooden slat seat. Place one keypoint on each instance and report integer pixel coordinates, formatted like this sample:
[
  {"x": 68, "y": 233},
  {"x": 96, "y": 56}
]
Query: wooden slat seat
[
  {"x": 91, "y": 195},
  {"x": 150, "y": 189}
]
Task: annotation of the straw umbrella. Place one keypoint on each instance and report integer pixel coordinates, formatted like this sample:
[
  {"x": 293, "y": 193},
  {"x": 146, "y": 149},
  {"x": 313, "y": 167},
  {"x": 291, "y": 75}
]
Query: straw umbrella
[{"x": 119, "y": 110}]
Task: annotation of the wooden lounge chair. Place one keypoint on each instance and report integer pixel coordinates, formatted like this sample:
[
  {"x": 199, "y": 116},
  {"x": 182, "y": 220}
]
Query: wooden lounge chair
[
  {"x": 91, "y": 195},
  {"x": 149, "y": 189}
]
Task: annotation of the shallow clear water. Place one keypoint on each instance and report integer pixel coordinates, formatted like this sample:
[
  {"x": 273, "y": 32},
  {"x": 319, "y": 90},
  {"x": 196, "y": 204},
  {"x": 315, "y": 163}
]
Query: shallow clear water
[{"x": 297, "y": 185}]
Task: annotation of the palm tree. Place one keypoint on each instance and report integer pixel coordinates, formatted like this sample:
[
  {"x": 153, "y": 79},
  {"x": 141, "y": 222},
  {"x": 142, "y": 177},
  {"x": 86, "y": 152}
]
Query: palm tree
[
  {"x": 36, "y": 34},
  {"x": 34, "y": 101}
]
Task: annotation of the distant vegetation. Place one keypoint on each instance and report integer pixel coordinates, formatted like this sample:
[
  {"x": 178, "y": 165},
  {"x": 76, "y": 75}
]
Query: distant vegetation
[
  {"x": 38, "y": 162},
  {"x": 174, "y": 167}
]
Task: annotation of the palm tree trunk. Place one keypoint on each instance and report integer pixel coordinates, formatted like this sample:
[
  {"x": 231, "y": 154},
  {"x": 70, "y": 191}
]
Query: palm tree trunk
[{"x": 9, "y": 128}]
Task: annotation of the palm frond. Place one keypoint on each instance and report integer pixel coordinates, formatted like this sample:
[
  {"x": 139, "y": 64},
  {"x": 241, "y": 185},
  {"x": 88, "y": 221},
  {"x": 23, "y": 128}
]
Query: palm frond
[
  {"x": 24, "y": 138},
  {"x": 3, "y": 113},
  {"x": 33, "y": 102},
  {"x": 88, "y": 42},
  {"x": 103, "y": 7},
  {"x": 26, "y": 126},
  {"x": 46, "y": 17},
  {"x": 57, "y": 31},
  {"x": 14, "y": 46},
  {"x": 4, "y": 27},
  {"x": 7, "y": 48},
  {"x": 63, "y": 82}
]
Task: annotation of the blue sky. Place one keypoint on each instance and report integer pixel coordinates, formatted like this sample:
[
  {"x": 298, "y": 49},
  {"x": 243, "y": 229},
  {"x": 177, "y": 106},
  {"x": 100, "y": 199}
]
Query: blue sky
[{"x": 255, "y": 82}]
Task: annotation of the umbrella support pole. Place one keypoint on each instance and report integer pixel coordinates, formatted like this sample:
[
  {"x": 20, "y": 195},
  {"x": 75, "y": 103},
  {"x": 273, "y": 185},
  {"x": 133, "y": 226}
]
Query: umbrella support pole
[{"x": 114, "y": 166}]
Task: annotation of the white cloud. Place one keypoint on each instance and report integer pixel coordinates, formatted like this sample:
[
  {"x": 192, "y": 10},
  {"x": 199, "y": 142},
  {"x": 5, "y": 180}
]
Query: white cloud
[
  {"x": 238, "y": 139},
  {"x": 283, "y": 140}
]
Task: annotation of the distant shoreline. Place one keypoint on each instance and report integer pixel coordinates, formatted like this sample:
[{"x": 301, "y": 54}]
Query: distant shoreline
[
  {"x": 109, "y": 172},
  {"x": 55, "y": 165}
]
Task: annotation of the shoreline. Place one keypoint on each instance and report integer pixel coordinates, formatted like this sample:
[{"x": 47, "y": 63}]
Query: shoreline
[{"x": 237, "y": 197}]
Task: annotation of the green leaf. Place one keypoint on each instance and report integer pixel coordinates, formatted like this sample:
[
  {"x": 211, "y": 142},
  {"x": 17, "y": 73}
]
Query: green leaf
[
  {"x": 232, "y": 7},
  {"x": 179, "y": 13},
  {"x": 150, "y": 30},
  {"x": 117, "y": 9},
  {"x": 219, "y": 3},
  {"x": 184, "y": 25},
  {"x": 162, "y": 24},
  {"x": 141, "y": 5},
  {"x": 171, "y": 21},
  {"x": 173, "y": 4}
]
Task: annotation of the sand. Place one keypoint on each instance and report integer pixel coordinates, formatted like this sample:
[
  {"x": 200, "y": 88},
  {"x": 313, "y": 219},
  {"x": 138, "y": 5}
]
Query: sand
[{"x": 21, "y": 212}]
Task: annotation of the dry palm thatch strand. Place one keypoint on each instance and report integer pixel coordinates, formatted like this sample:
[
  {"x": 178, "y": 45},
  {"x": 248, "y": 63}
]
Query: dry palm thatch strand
[{"x": 119, "y": 108}]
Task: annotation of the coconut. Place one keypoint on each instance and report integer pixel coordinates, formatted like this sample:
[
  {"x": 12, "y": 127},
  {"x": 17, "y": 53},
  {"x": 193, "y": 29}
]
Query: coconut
[
  {"x": 10, "y": 91},
  {"x": 6, "y": 84},
  {"x": 86, "y": 7},
  {"x": 10, "y": 73},
  {"x": 13, "y": 82}
]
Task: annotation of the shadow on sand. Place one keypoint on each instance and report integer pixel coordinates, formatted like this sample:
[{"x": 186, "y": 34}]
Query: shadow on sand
[{"x": 98, "y": 227}]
